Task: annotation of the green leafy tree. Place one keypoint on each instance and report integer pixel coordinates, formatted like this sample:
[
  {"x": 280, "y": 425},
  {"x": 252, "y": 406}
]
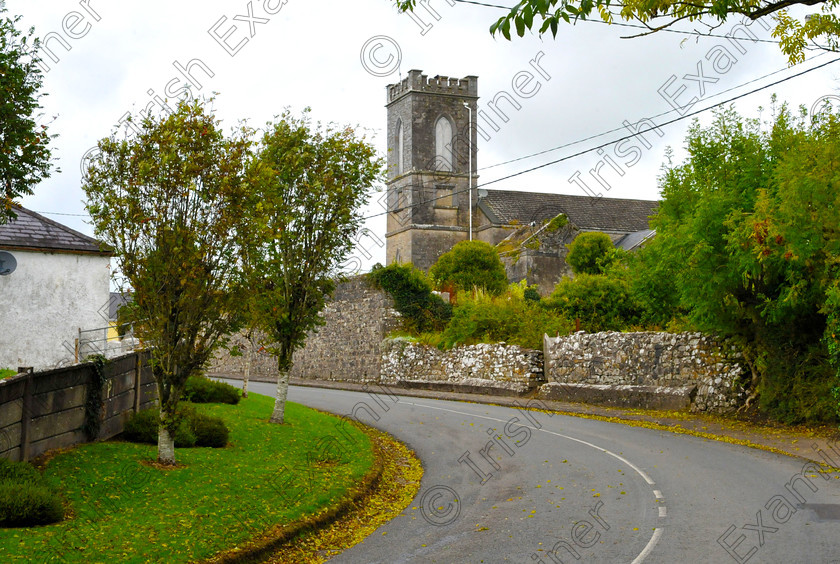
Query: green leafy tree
[
  {"x": 794, "y": 34},
  {"x": 170, "y": 201},
  {"x": 591, "y": 252},
  {"x": 24, "y": 145},
  {"x": 309, "y": 186},
  {"x": 831, "y": 309},
  {"x": 652, "y": 286},
  {"x": 468, "y": 265},
  {"x": 748, "y": 227}
]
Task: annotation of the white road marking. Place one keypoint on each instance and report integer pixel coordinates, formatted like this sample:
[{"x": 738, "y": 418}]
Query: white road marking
[{"x": 657, "y": 532}]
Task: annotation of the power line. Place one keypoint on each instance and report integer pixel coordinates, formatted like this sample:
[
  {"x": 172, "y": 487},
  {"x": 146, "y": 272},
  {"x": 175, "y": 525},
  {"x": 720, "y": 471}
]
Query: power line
[
  {"x": 60, "y": 213},
  {"x": 483, "y": 4},
  {"x": 589, "y": 138},
  {"x": 585, "y": 151},
  {"x": 595, "y": 136}
]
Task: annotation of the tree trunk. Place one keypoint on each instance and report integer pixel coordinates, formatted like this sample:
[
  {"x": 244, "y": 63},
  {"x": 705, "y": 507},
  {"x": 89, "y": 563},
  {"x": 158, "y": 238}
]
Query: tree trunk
[
  {"x": 248, "y": 362},
  {"x": 282, "y": 392},
  {"x": 166, "y": 444}
]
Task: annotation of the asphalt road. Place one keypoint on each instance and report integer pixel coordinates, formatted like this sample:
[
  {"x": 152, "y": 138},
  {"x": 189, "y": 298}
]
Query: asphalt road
[{"x": 505, "y": 485}]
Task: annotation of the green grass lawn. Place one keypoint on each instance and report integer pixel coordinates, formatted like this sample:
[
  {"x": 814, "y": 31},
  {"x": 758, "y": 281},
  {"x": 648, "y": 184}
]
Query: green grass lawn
[{"x": 126, "y": 511}]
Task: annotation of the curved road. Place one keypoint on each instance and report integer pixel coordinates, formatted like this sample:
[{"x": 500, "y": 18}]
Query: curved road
[{"x": 506, "y": 485}]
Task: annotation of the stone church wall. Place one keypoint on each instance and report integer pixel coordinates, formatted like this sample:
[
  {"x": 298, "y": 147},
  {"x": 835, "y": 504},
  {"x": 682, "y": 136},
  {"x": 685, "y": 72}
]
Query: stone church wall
[{"x": 346, "y": 347}]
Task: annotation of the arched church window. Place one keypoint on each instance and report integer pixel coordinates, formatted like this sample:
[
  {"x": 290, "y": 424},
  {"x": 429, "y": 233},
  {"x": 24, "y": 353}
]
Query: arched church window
[
  {"x": 398, "y": 147},
  {"x": 443, "y": 144}
]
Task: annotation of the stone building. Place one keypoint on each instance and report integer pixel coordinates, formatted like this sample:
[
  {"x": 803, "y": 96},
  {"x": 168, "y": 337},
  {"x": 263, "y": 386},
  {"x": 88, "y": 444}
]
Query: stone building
[{"x": 434, "y": 202}]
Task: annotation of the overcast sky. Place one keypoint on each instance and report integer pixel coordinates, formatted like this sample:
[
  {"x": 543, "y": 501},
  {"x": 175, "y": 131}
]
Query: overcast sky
[{"x": 337, "y": 57}]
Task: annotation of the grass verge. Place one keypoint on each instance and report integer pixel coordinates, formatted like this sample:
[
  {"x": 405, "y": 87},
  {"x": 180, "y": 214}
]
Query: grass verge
[
  {"x": 398, "y": 485},
  {"x": 123, "y": 509}
]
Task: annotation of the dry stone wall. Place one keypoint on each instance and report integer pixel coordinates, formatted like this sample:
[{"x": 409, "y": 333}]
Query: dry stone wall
[
  {"x": 697, "y": 369},
  {"x": 490, "y": 368}
]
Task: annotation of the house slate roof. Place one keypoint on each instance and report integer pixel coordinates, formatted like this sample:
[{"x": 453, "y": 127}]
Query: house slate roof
[
  {"x": 32, "y": 231},
  {"x": 602, "y": 214},
  {"x": 115, "y": 302}
]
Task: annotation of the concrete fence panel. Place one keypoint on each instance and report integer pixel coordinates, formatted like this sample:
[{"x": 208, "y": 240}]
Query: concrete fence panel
[{"x": 42, "y": 411}]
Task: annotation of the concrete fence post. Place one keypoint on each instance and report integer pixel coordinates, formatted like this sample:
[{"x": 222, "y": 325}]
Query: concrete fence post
[
  {"x": 26, "y": 417},
  {"x": 138, "y": 373}
]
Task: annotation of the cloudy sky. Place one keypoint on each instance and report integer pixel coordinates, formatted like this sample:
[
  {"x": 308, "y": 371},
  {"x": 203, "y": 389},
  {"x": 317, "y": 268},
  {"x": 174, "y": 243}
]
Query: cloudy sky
[{"x": 113, "y": 58}]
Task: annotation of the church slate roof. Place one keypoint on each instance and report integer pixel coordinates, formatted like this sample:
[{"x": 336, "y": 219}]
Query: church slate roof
[
  {"x": 602, "y": 214},
  {"x": 633, "y": 240},
  {"x": 32, "y": 231}
]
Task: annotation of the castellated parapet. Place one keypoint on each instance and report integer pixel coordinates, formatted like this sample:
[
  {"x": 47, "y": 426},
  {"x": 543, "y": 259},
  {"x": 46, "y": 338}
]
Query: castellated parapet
[{"x": 416, "y": 81}]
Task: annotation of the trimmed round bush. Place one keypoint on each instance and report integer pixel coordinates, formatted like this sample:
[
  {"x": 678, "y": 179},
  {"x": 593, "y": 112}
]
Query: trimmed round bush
[
  {"x": 469, "y": 265},
  {"x": 184, "y": 436},
  {"x": 25, "y": 498},
  {"x": 602, "y": 303},
  {"x": 143, "y": 427},
  {"x": 24, "y": 504},
  {"x": 18, "y": 472},
  {"x": 209, "y": 431},
  {"x": 203, "y": 390},
  {"x": 591, "y": 252},
  {"x": 195, "y": 429}
]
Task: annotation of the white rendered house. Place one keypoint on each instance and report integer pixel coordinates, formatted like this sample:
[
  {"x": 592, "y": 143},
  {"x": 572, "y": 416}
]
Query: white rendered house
[{"x": 54, "y": 281}]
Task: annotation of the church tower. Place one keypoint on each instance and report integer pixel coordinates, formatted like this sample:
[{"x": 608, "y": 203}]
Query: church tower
[{"x": 429, "y": 146}]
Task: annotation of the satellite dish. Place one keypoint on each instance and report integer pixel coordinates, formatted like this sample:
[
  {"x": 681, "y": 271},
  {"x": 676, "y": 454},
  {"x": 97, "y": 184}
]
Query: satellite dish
[{"x": 8, "y": 264}]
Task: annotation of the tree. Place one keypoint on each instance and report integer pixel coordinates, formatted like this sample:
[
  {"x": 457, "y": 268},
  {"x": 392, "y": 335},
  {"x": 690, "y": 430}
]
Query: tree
[
  {"x": 169, "y": 201},
  {"x": 748, "y": 232},
  {"x": 591, "y": 252},
  {"x": 468, "y": 265},
  {"x": 310, "y": 184},
  {"x": 24, "y": 152},
  {"x": 831, "y": 309},
  {"x": 793, "y": 34},
  {"x": 652, "y": 284}
]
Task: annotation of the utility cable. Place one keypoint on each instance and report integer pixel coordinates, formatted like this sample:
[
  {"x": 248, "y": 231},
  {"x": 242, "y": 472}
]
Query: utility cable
[{"x": 601, "y": 146}]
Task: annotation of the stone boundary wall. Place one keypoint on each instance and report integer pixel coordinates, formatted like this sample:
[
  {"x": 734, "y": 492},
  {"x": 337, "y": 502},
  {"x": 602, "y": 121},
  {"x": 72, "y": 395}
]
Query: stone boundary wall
[
  {"x": 347, "y": 347},
  {"x": 677, "y": 371},
  {"x": 486, "y": 368},
  {"x": 41, "y": 411},
  {"x": 263, "y": 365},
  {"x": 696, "y": 371}
]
